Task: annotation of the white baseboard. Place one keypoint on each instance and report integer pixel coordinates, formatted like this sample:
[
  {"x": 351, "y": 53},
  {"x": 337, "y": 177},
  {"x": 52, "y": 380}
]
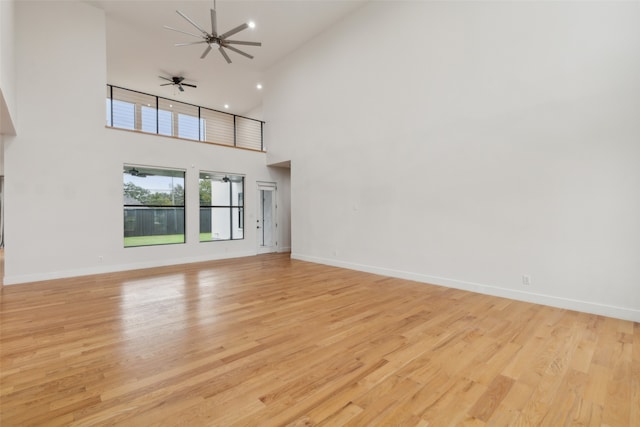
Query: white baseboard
[
  {"x": 284, "y": 249},
  {"x": 38, "y": 277},
  {"x": 550, "y": 300}
]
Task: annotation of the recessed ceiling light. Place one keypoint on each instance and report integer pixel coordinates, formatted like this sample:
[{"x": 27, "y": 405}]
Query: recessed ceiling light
[
  {"x": 226, "y": 106},
  {"x": 251, "y": 24},
  {"x": 259, "y": 86},
  {"x": 170, "y": 105}
]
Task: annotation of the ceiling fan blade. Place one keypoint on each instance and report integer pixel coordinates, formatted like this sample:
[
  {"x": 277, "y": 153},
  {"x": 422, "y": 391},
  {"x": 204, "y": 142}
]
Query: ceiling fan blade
[
  {"x": 244, "y": 43},
  {"x": 192, "y": 23},
  {"x": 224, "y": 54},
  {"x": 166, "y": 84},
  {"x": 166, "y": 78},
  {"x": 189, "y": 44},
  {"x": 188, "y": 85},
  {"x": 206, "y": 52},
  {"x": 239, "y": 51},
  {"x": 180, "y": 88},
  {"x": 183, "y": 32},
  {"x": 214, "y": 24},
  {"x": 235, "y": 30}
]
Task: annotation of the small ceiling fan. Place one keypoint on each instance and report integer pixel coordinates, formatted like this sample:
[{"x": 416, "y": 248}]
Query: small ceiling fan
[
  {"x": 176, "y": 81},
  {"x": 215, "y": 40},
  {"x": 138, "y": 173}
]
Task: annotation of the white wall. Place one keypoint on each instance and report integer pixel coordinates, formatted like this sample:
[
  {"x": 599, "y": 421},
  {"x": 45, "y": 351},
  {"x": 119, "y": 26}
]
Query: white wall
[
  {"x": 255, "y": 113},
  {"x": 64, "y": 168},
  {"x": 7, "y": 75},
  {"x": 468, "y": 144},
  {"x": 282, "y": 178}
]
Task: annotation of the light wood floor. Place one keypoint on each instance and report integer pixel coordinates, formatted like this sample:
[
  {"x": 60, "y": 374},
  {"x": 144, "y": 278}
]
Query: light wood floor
[{"x": 270, "y": 341}]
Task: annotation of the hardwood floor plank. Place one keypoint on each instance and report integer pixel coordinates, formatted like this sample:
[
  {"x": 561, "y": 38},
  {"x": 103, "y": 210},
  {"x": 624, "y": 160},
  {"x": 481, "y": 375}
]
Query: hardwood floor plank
[
  {"x": 271, "y": 341},
  {"x": 565, "y": 408},
  {"x": 491, "y": 398},
  {"x": 634, "y": 414},
  {"x": 343, "y": 416}
]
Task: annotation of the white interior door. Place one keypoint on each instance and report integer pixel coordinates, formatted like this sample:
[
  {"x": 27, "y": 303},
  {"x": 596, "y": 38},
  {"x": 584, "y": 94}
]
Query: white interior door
[{"x": 267, "y": 225}]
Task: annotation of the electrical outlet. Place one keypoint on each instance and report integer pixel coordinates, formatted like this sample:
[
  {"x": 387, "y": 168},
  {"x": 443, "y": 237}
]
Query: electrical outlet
[{"x": 526, "y": 280}]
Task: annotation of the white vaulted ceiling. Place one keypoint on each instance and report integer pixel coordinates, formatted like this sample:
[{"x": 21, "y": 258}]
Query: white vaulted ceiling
[{"x": 139, "y": 49}]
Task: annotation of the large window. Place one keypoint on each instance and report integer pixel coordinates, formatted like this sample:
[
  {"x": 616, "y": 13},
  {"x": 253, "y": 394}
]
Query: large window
[
  {"x": 221, "y": 206},
  {"x": 153, "y": 206}
]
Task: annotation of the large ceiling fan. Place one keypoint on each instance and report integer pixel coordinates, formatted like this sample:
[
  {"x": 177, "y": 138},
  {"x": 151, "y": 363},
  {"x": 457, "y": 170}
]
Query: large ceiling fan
[{"x": 215, "y": 40}]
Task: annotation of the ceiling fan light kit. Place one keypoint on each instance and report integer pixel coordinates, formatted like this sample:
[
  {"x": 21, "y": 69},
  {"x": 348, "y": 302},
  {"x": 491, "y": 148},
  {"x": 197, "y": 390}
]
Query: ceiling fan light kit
[{"x": 213, "y": 40}]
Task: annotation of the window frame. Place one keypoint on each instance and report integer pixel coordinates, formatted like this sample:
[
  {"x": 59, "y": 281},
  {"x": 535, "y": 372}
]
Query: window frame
[
  {"x": 232, "y": 206},
  {"x": 157, "y": 208}
]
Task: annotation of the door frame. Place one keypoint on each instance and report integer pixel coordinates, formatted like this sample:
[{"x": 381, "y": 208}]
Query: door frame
[{"x": 273, "y": 187}]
